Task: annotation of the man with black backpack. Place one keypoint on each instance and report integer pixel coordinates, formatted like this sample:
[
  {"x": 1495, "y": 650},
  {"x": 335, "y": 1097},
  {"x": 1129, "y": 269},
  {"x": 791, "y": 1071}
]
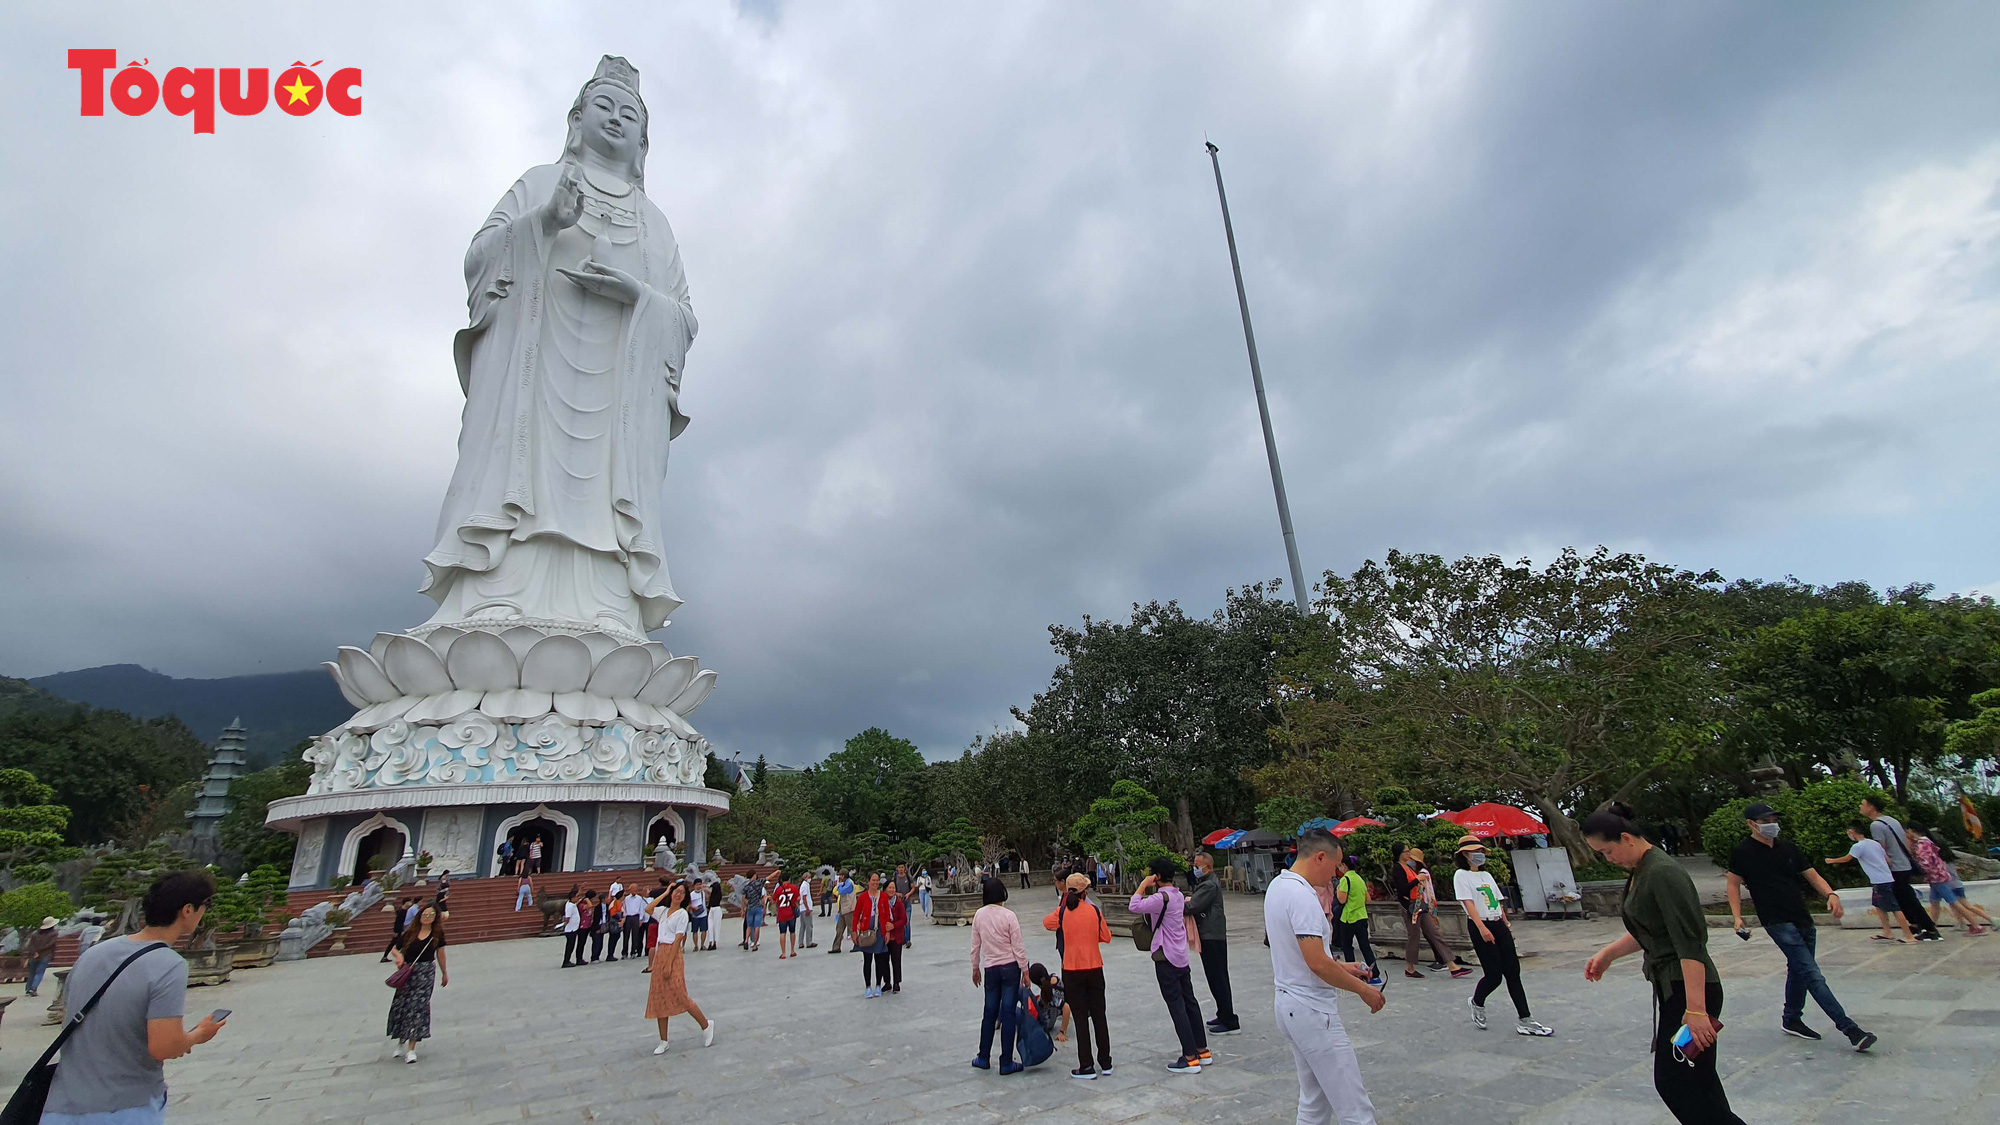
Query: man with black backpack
[
  {"x": 1080, "y": 927},
  {"x": 111, "y": 1067}
]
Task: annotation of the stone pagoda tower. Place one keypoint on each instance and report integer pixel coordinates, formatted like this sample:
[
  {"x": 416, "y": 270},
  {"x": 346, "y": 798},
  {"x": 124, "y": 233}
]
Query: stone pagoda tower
[{"x": 224, "y": 766}]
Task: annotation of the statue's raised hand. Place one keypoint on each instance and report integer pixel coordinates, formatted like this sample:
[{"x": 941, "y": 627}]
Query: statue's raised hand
[
  {"x": 565, "y": 205},
  {"x": 605, "y": 281}
]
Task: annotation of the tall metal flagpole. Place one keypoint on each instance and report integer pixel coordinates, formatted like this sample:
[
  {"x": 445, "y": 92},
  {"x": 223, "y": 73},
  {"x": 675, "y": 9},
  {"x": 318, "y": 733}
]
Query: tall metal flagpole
[{"x": 1263, "y": 408}]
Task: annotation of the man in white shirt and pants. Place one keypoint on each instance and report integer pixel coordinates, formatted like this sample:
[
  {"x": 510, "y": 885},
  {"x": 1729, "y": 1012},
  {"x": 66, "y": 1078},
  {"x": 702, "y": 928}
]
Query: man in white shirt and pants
[{"x": 1309, "y": 981}]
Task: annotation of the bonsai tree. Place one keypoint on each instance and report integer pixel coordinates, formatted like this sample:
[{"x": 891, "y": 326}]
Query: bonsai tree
[
  {"x": 423, "y": 861},
  {"x": 31, "y": 829},
  {"x": 1123, "y": 824},
  {"x": 955, "y": 843},
  {"x": 118, "y": 880},
  {"x": 338, "y": 918},
  {"x": 23, "y": 908}
]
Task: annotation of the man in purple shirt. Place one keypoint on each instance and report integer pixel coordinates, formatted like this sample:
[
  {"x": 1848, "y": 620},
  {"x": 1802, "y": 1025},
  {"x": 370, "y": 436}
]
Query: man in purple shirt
[{"x": 1163, "y": 905}]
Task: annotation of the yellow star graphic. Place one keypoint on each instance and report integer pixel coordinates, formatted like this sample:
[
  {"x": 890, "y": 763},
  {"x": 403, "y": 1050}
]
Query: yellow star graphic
[{"x": 298, "y": 90}]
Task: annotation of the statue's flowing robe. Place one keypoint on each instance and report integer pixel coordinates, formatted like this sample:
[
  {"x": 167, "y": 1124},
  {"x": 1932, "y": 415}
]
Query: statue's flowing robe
[{"x": 521, "y": 441}]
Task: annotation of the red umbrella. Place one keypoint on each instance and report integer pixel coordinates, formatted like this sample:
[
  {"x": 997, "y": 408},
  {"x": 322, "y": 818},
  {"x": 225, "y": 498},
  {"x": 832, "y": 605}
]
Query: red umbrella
[
  {"x": 1490, "y": 819},
  {"x": 1347, "y": 826},
  {"x": 1209, "y": 840}
]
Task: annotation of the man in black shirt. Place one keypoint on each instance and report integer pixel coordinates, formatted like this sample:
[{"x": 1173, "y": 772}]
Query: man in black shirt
[{"x": 1778, "y": 877}]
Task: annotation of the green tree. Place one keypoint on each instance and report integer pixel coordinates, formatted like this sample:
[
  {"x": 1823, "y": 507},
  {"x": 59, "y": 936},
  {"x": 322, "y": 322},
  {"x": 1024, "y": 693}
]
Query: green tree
[
  {"x": 870, "y": 783},
  {"x": 1815, "y": 820},
  {"x": 714, "y": 776},
  {"x": 1123, "y": 824},
  {"x": 105, "y": 766},
  {"x": 1176, "y": 703},
  {"x": 870, "y": 846},
  {"x": 759, "y": 772},
  {"x": 31, "y": 828},
  {"x": 1009, "y": 784},
  {"x": 1881, "y": 683},
  {"x": 118, "y": 880},
  {"x": 1543, "y": 683},
  {"x": 23, "y": 908},
  {"x": 1977, "y": 737},
  {"x": 782, "y": 812},
  {"x": 242, "y": 830},
  {"x": 1284, "y": 815},
  {"x": 957, "y": 843}
]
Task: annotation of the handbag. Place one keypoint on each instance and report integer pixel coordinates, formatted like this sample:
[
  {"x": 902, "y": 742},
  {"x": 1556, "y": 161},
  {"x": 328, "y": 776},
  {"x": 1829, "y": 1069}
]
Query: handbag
[
  {"x": 868, "y": 936},
  {"x": 25, "y": 1107},
  {"x": 397, "y": 979}
]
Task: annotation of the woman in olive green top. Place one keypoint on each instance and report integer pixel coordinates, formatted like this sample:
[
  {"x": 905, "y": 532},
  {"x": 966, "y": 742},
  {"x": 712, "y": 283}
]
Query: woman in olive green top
[{"x": 1663, "y": 918}]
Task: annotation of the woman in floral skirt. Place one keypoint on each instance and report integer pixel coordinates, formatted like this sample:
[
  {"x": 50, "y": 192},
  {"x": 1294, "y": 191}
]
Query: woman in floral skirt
[{"x": 421, "y": 948}]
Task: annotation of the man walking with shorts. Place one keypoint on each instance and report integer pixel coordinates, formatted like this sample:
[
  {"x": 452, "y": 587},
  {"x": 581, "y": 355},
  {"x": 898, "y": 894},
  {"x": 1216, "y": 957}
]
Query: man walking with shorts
[{"x": 1309, "y": 982}]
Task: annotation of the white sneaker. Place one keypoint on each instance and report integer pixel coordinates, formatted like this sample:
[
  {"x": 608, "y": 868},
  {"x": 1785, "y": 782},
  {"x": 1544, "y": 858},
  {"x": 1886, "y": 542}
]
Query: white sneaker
[
  {"x": 1530, "y": 1027},
  {"x": 1478, "y": 1015},
  {"x": 661, "y": 1049},
  {"x": 708, "y": 1034},
  {"x": 409, "y": 1056}
]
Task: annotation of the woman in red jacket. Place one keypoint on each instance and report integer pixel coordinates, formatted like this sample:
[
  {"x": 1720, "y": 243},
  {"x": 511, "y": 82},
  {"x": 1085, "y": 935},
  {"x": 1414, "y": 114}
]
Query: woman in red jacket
[
  {"x": 872, "y": 915},
  {"x": 889, "y": 966}
]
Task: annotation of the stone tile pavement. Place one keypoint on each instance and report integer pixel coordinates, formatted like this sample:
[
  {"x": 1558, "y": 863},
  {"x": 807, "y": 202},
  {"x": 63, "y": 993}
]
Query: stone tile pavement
[{"x": 517, "y": 1039}]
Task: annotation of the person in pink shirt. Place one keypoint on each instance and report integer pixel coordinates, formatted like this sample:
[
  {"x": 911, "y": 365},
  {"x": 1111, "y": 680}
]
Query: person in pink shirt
[
  {"x": 1000, "y": 963},
  {"x": 1162, "y": 904}
]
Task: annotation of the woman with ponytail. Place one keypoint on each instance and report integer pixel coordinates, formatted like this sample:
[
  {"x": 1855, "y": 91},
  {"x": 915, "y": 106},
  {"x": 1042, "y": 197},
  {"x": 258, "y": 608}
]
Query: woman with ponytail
[
  {"x": 1080, "y": 927},
  {"x": 1663, "y": 918}
]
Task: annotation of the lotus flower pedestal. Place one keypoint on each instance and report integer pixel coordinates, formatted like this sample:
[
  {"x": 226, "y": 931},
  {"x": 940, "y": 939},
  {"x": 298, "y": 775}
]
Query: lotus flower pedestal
[{"x": 460, "y": 735}]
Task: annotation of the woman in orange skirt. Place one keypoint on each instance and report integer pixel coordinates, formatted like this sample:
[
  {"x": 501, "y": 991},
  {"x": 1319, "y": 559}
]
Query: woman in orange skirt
[{"x": 667, "y": 995}]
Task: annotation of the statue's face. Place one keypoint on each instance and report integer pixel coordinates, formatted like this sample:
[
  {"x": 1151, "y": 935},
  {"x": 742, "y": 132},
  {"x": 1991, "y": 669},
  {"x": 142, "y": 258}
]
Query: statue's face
[{"x": 613, "y": 123}]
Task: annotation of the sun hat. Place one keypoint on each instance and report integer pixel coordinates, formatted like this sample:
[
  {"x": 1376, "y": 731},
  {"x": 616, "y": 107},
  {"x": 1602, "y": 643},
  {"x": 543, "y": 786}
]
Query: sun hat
[
  {"x": 49, "y": 923},
  {"x": 1470, "y": 843}
]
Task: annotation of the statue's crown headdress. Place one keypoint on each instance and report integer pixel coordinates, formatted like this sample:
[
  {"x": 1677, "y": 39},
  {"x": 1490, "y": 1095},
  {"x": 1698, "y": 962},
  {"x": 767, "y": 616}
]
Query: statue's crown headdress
[{"x": 616, "y": 71}]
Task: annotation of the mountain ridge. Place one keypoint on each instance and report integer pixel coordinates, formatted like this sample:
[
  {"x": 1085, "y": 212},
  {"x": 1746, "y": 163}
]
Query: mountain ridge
[{"x": 277, "y": 709}]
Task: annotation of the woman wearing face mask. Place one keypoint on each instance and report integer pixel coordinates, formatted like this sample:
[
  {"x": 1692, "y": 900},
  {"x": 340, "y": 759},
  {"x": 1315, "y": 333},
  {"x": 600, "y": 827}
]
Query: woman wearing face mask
[
  {"x": 1419, "y": 898},
  {"x": 1492, "y": 940}
]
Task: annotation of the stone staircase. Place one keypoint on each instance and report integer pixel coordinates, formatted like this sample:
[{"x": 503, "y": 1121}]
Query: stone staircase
[{"x": 481, "y": 909}]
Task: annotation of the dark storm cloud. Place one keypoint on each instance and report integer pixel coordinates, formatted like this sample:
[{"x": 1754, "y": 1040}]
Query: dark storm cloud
[{"x": 1713, "y": 281}]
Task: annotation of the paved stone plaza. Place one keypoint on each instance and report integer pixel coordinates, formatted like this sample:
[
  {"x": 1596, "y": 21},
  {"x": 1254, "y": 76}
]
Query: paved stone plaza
[{"x": 517, "y": 1039}]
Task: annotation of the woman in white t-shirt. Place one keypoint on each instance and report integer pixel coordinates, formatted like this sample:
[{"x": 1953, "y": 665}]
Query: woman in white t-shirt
[
  {"x": 667, "y": 996},
  {"x": 1492, "y": 940}
]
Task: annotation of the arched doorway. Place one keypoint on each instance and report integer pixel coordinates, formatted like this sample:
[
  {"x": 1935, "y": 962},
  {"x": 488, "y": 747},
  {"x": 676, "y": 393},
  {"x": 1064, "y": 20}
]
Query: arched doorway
[
  {"x": 552, "y": 837},
  {"x": 664, "y": 826},
  {"x": 380, "y": 849}
]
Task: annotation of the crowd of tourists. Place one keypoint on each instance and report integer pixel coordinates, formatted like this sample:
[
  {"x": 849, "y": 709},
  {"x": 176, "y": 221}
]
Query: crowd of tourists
[{"x": 1315, "y": 924}]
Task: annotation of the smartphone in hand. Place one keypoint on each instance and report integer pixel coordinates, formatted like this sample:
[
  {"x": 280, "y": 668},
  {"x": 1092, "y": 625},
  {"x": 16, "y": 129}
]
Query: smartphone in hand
[{"x": 219, "y": 1015}]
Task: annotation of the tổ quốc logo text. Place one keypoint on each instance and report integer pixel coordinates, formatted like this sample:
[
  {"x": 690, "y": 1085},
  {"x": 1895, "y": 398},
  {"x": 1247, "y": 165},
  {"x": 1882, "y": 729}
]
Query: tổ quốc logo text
[{"x": 195, "y": 92}]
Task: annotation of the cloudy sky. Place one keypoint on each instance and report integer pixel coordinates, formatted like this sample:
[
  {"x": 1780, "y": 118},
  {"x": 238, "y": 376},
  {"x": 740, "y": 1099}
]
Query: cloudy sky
[{"x": 1716, "y": 282}]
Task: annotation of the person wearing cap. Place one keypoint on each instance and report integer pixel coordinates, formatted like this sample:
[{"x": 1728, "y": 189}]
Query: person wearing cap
[
  {"x": 1778, "y": 878},
  {"x": 40, "y": 950},
  {"x": 1492, "y": 939},
  {"x": 1080, "y": 927}
]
